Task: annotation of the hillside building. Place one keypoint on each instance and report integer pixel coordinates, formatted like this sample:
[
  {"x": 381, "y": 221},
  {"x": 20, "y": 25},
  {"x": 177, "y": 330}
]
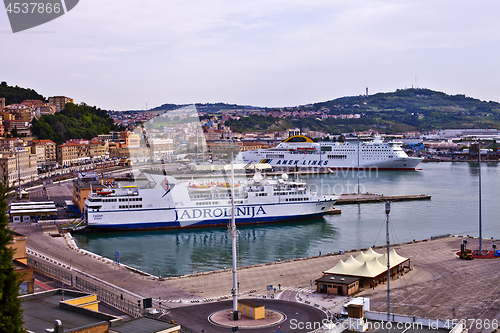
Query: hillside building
[{"x": 59, "y": 102}]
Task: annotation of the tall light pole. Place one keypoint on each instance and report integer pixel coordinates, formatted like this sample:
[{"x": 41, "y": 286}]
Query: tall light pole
[
  {"x": 358, "y": 164},
  {"x": 480, "y": 219},
  {"x": 234, "y": 234},
  {"x": 18, "y": 169},
  {"x": 387, "y": 211}
]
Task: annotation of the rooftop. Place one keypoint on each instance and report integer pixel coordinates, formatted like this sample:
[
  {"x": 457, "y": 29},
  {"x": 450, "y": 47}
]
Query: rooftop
[{"x": 36, "y": 320}]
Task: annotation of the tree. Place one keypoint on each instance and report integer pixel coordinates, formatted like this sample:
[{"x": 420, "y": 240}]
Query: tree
[
  {"x": 74, "y": 122},
  {"x": 11, "y": 316}
]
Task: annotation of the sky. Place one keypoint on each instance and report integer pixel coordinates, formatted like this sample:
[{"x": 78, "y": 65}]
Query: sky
[{"x": 129, "y": 55}]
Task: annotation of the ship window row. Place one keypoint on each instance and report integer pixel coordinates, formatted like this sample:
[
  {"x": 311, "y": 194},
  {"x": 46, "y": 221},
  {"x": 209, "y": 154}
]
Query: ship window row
[
  {"x": 130, "y": 206},
  {"x": 296, "y": 199},
  {"x": 129, "y": 199},
  {"x": 261, "y": 194},
  {"x": 337, "y": 157},
  {"x": 108, "y": 200},
  {"x": 203, "y": 203},
  {"x": 201, "y": 196},
  {"x": 290, "y": 193},
  {"x": 235, "y": 202},
  {"x": 274, "y": 156}
]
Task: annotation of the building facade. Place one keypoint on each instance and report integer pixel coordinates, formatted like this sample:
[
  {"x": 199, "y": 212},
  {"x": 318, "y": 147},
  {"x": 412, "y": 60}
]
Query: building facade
[
  {"x": 45, "y": 150},
  {"x": 67, "y": 154},
  {"x": 59, "y": 102},
  {"x": 25, "y": 170}
]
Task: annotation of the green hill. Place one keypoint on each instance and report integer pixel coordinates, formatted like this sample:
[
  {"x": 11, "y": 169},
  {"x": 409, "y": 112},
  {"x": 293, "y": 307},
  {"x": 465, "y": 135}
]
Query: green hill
[
  {"x": 396, "y": 112},
  {"x": 15, "y": 95},
  {"x": 74, "y": 122},
  {"x": 414, "y": 109}
]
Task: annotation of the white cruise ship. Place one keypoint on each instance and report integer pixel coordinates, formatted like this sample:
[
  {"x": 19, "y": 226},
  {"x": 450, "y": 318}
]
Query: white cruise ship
[
  {"x": 302, "y": 152},
  {"x": 164, "y": 202}
]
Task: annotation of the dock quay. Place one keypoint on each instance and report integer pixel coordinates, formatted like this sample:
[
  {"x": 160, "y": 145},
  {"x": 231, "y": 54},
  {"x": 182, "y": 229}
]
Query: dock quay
[
  {"x": 354, "y": 198},
  {"x": 439, "y": 285}
]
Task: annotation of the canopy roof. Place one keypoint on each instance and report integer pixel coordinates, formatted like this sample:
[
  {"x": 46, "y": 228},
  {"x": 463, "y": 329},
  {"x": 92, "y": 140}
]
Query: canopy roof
[{"x": 369, "y": 264}]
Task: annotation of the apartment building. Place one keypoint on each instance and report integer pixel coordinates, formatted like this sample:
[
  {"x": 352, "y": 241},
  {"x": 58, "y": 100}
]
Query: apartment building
[
  {"x": 59, "y": 102},
  {"x": 98, "y": 149},
  {"x": 6, "y": 116},
  {"x": 161, "y": 146},
  {"x": 45, "y": 150},
  {"x": 21, "y": 126},
  {"x": 68, "y": 153},
  {"x": 45, "y": 110},
  {"x": 18, "y": 163}
]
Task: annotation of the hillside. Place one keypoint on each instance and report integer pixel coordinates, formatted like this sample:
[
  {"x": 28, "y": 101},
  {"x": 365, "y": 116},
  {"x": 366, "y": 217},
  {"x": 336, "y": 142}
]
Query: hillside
[
  {"x": 421, "y": 109},
  {"x": 396, "y": 112},
  {"x": 207, "y": 107},
  {"x": 15, "y": 95},
  {"x": 74, "y": 122}
]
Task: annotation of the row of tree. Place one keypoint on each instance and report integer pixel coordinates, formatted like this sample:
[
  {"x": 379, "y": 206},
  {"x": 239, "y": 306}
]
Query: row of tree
[{"x": 15, "y": 95}]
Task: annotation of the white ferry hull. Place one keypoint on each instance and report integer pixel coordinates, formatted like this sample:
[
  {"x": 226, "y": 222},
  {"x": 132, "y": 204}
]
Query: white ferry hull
[
  {"x": 315, "y": 162},
  {"x": 195, "y": 217},
  {"x": 176, "y": 205},
  {"x": 301, "y": 152}
]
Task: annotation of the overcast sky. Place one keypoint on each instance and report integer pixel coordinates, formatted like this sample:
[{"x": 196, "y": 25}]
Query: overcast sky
[{"x": 122, "y": 54}]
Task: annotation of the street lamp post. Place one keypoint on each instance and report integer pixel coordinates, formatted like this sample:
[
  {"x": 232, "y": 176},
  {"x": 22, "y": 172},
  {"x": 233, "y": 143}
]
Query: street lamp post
[
  {"x": 234, "y": 235},
  {"x": 18, "y": 169},
  {"x": 387, "y": 211}
]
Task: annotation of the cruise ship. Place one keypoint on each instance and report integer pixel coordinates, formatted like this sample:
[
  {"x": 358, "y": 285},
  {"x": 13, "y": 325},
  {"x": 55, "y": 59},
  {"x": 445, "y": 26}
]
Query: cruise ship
[
  {"x": 301, "y": 152},
  {"x": 165, "y": 202}
]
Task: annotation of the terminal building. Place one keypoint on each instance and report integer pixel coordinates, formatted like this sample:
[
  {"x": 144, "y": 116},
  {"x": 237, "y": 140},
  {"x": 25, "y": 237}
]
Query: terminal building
[
  {"x": 29, "y": 211},
  {"x": 367, "y": 269}
]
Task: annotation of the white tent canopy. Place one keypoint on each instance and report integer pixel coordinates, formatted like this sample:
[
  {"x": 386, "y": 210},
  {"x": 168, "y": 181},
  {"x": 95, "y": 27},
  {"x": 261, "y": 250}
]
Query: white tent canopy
[{"x": 368, "y": 264}]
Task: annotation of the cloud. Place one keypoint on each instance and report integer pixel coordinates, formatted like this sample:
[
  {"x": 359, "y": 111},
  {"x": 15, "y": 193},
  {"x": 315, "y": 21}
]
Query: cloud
[{"x": 262, "y": 52}]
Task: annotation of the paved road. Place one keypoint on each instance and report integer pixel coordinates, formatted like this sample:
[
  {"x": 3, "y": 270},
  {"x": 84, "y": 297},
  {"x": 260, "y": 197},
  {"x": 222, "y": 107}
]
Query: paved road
[
  {"x": 444, "y": 286},
  {"x": 196, "y": 317},
  {"x": 440, "y": 286}
]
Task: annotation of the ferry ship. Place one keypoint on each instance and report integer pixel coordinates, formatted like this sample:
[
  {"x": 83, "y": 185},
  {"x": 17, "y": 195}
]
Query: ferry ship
[
  {"x": 300, "y": 152},
  {"x": 164, "y": 202}
]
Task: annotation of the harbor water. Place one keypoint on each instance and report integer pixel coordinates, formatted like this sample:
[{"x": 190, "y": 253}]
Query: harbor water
[{"x": 453, "y": 209}]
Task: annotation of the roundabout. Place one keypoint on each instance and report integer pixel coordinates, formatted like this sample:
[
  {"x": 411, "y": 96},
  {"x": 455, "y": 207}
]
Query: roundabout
[
  {"x": 222, "y": 319},
  {"x": 214, "y": 317}
]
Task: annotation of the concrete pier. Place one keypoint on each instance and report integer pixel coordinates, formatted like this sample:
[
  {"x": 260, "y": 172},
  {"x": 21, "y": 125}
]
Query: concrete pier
[
  {"x": 439, "y": 286},
  {"x": 354, "y": 198}
]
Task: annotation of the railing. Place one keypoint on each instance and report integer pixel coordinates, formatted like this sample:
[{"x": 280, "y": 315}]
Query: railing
[{"x": 114, "y": 296}]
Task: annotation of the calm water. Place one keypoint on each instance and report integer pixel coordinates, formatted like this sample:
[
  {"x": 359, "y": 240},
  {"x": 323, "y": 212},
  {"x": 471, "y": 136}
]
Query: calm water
[{"x": 452, "y": 210}]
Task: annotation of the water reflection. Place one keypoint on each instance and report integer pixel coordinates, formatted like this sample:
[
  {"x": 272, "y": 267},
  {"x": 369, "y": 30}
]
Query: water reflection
[
  {"x": 452, "y": 209},
  {"x": 177, "y": 252}
]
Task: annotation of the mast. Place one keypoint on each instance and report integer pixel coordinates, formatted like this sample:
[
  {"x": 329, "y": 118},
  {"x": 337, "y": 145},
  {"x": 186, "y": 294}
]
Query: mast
[
  {"x": 387, "y": 211},
  {"x": 234, "y": 234},
  {"x": 18, "y": 170},
  {"x": 480, "y": 220},
  {"x": 358, "y": 164}
]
